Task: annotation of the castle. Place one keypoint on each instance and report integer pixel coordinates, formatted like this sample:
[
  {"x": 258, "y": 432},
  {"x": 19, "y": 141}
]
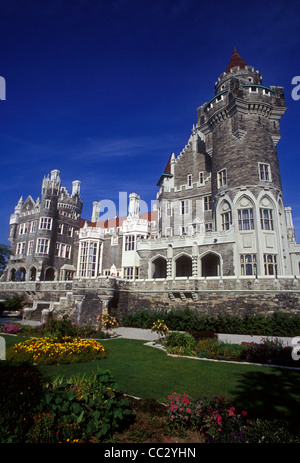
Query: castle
[{"x": 220, "y": 236}]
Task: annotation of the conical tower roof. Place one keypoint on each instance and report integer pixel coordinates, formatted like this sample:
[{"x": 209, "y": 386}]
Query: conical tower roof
[{"x": 236, "y": 60}]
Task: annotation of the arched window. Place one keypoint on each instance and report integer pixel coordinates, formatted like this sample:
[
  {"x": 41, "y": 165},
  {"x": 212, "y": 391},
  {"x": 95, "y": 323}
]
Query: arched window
[
  {"x": 183, "y": 266},
  {"x": 159, "y": 267},
  {"x": 210, "y": 264},
  {"x": 245, "y": 214},
  {"x": 266, "y": 214},
  {"x": 226, "y": 215}
]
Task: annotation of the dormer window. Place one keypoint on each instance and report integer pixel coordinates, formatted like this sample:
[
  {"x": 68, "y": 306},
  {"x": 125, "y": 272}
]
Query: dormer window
[{"x": 266, "y": 92}]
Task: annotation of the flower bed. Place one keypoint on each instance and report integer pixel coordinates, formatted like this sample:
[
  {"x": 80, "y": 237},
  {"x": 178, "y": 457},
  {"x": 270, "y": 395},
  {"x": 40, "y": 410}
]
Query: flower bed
[
  {"x": 271, "y": 352},
  {"x": 11, "y": 328},
  {"x": 65, "y": 349}
]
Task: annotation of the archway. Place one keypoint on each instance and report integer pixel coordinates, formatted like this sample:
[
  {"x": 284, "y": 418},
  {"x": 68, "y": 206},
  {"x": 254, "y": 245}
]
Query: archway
[
  {"x": 20, "y": 274},
  {"x": 12, "y": 275},
  {"x": 159, "y": 268},
  {"x": 184, "y": 266},
  {"x": 32, "y": 274},
  {"x": 50, "y": 274},
  {"x": 210, "y": 265}
]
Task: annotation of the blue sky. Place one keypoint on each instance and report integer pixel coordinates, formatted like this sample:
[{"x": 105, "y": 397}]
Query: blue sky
[{"x": 105, "y": 90}]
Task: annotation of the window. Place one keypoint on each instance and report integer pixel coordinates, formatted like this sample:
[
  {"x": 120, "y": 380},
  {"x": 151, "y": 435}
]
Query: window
[
  {"x": 20, "y": 248},
  {"x": 45, "y": 223},
  {"x": 184, "y": 207},
  {"x": 23, "y": 228},
  {"x": 47, "y": 203},
  {"x": 270, "y": 264},
  {"x": 226, "y": 220},
  {"x": 266, "y": 91},
  {"x": 201, "y": 177},
  {"x": 128, "y": 273},
  {"x": 70, "y": 231},
  {"x": 264, "y": 172},
  {"x": 189, "y": 180},
  {"x": 207, "y": 203},
  {"x": 88, "y": 259},
  {"x": 129, "y": 243},
  {"x": 60, "y": 228},
  {"x": 168, "y": 208},
  {"x": 266, "y": 219},
  {"x": 33, "y": 227},
  {"x": 30, "y": 248},
  {"x": 245, "y": 219},
  {"x": 183, "y": 230},
  {"x": 208, "y": 227},
  {"x": 42, "y": 246},
  {"x": 168, "y": 231},
  {"x": 248, "y": 264},
  {"x": 222, "y": 178}
]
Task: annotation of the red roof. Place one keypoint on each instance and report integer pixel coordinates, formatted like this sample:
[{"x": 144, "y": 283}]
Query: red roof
[
  {"x": 236, "y": 60},
  {"x": 118, "y": 221},
  {"x": 168, "y": 166}
]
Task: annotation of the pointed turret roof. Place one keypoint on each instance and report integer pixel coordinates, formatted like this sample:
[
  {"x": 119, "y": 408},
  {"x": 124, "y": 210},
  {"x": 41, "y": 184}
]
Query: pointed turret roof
[{"x": 236, "y": 60}]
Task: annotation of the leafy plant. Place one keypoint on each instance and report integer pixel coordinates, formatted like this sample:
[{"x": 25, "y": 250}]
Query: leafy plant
[
  {"x": 93, "y": 403},
  {"x": 180, "y": 343}
]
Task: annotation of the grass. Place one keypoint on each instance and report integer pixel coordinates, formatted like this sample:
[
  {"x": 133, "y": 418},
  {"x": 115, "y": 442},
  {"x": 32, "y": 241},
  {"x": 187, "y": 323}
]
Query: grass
[{"x": 146, "y": 372}]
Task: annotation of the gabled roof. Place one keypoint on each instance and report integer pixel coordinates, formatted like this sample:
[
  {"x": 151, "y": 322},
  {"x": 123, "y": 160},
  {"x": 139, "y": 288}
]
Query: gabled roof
[{"x": 236, "y": 60}]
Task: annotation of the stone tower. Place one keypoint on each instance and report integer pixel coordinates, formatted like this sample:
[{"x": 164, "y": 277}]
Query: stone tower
[
  {"x": 42, "y": 233},
  {"x": 241, "y": 129}
]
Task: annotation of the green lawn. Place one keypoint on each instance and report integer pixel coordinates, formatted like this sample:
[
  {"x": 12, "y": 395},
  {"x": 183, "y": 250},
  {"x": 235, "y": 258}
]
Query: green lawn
[{"x": 146, "y": 372}]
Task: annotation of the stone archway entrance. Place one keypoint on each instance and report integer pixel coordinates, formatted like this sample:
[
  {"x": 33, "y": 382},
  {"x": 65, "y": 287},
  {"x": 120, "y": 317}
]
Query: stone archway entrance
[
  {"x": 184, "y": 266},
  {"x": 159, "y": 268},
  {"x": 210, "y": 265}
]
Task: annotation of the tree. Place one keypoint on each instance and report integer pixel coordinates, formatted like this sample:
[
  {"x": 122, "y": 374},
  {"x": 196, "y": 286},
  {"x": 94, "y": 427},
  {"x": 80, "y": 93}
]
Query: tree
[{"x": 4, "y": 255}]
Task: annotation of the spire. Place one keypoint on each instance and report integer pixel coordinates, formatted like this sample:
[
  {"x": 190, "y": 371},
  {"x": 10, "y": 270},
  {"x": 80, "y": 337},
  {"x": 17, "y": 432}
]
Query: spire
[{"x": 236, "y": 60}]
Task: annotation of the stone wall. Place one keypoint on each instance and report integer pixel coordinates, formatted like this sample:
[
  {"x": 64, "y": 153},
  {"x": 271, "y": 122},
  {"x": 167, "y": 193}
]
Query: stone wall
[{"x": 84, "y": 300}]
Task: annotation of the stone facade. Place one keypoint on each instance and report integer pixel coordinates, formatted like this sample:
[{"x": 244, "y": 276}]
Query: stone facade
[{"x": 219, "y": 238}]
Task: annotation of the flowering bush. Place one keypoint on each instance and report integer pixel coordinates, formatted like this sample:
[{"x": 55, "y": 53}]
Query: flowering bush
[
  {"x": 46, "y": 430},
  {"x": 217, "y": 418},
  {"x": 268, "y": 351},
  {"x": 160, "y": 328},
  {"x": 106, "y": 321},
  {"x": 11, "y": 328},
  {"x": 57, "y": 350},
  {"x": 180, "y": 411}
]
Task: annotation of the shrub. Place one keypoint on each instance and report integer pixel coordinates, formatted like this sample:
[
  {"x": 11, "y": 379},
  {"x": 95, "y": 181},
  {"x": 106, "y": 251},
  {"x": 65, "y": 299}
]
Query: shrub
[
  {"x": 59, "y": 327},
  {"x": 271, "y": 432},
  {"x": 216, "y": 418},
  {"x": 21, "y": 391},
  {"x": 180, "y": 343},
  {"x": 180, "y": 410},
  {"x": 106, "y": 321},
  {"x": 160, "y": 328},
  {"x": 13, "y": 303},
  {"x": 11, "y": 328},
  {"x": 92, "y": 403},
  {"x": 56, "y": 350},
  {"x": 202, "y": 334},
  {"x": 268, "y": 351}
]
